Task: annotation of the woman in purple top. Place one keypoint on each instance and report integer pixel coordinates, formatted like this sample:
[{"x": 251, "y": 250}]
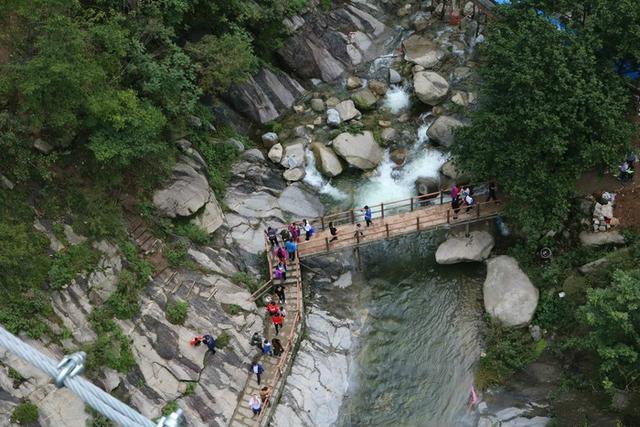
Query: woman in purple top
[{"x": 454, "y": 192}]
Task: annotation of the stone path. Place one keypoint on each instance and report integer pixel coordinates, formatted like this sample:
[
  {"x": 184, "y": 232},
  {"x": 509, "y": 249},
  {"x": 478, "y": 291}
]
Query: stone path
[{"x": 243, "y": 416}]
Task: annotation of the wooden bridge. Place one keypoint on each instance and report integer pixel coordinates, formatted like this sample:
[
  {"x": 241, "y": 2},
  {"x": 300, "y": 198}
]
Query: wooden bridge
[{"x": 395, "y": 219}]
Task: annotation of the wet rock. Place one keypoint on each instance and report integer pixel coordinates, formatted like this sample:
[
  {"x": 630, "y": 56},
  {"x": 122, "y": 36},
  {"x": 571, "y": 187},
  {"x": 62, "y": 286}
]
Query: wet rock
[
  {"x": 422, "y": 51},
  {"x": 269, "y": 139},
  {"x": 360, "y": 150},
  {"x": 509, "y": 295},
  {"x": 293, "y": 175},
  {"x": 388, "y": 135},
  {"x": 353, "y": 82},
  {"x": 421, "y": 20},
  {"x": 211, "y": 218},
  {"x": 293, "y": 156},
  {"x": 442, "y": 130},
  {"x": 378, "y": 88},
  {"x": 317, "y": 105},
  {"x": 427, "y": 185},
  {"x": 347, "y": 110},
  {"x": 364, "y": 99},
  {"x": 42, "y": 146},
  {"x": 275, "y": 153},
  {"x": 599, "y": 239},
  {"x": 449, "y": 170},
  {"x": 394, "y": 76},
  {"x": 327, "y": 161},
  {"x": 297, "y": 200},
  {"x": 384, "y": 123},
  {"x": 333, "y": 117},
  {"x": 476, "y": 247},
  {"x": 185, "y": 195},
  {"x": 431, "y": 88},
  {"x": 399, "y": 155}
]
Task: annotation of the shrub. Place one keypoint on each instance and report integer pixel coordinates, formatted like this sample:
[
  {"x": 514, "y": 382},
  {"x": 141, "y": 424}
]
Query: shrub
[
  {"x": 176, "y": 312},
  {"x": 169, "y": 408},
  {"x": 25, "y": 413},
  {"x": 222, "y": 340},
  {"x": 176, "y": 255},
  {"x": 246, "y": 279},
  {"x": 191, "y": 389},
  {"x": 69, "y": 263},
  {"x": 192, "y": 232},
  {"x": 111, "y": 349}
]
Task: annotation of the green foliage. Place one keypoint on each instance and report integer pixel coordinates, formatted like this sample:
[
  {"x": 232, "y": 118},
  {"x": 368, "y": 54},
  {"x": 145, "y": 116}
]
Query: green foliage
[
  {"x": 219, "y": 157},
  {"x": 97, "y": 419},
  {"x": 68, "y": 263},
  {"x": 246, "y": 279},
  {"x": 233, "y": 309},
  {"x": 176, "y": 312},
  {"x": 326, "y": 5},
  {"x": 612, "y": 315},
  {"x": 169, "y": 408},
  {"x": 17, "y": 378},
  {"x": 25, "y": 413},
  {"x": 111, "y": 349},
  {"x": 222, "y": 340},
  {"x": 124, "y": 302},
  {"x": 176, "y": 254},
  {"x": 192, "y": 232},
  {"x": 190, "y": 389},
  {"x": 544, "y": 102}
]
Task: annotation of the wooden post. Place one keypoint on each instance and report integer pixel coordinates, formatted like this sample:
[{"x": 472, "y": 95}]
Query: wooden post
[
  {"x": 478, "y": 210},
  {"x": 412, "y": 204},
  {"x": 441, "y": 196},
  {"x": 322, "y": 222},
  {"x": 448, "y": 215},
  {"x": 326, "y": 240},
  {"x": 358, "y": 237},
  {"x": 418, "y": 222},
  {"x": 353, "y": 217},
  {"x": 387, "y": 227},
  {"x": 382, "y": 210}
]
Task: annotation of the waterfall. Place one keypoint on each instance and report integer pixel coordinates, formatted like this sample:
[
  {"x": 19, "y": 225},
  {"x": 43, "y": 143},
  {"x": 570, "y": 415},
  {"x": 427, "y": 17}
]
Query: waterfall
[{"x": 396, "y": 99}]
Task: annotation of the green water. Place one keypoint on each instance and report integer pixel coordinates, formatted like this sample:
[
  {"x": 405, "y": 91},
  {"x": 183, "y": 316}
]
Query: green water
[{"x": 417, "y": 348}]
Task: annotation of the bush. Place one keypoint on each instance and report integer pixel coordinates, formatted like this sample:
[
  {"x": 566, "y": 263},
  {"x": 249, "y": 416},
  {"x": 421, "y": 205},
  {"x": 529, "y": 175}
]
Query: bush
[
  {"x": 69, "y": 263},
  {"x": 246, "y": 279},
  {"x": 176, "y": 312},
  {"x": 222, "y": 340},
  {"x": 176, "y": 255},
  {"x": 170, "y": 408},
  {"x": 192, "y": 232},
  {"x": 25, "y": 413},
  {"x": 111, "y": 349}
]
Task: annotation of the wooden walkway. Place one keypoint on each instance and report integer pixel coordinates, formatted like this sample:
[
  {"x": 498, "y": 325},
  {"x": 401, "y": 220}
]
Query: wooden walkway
[{"x": 392, "y": 220}]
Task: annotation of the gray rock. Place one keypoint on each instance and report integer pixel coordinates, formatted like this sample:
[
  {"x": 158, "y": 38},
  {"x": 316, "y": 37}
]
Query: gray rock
[
  {"x": 364, "y": 99},
  {"x": 422, "y": 51},
  {"x": 327, "y": 162},
  {"x": 527, "y": 422},
  {"x": 483, "y": 408},
  {"x": 253, "y": 155},
  {"x": 593, "y": 266},
  {"x": 236, "y": 144},
  {"x": 71, "y": 236},
  {"x": 353, "y": 82},
  {"x": 360, "y": 150},
  {"x": 509, "y": 295},
  {"x": 461, "y": 73},
  {"x": 61, "y": 407},
  {"x": 449, "y": 170},
  {"x": 476, "y": 247},
  {"x": 6, "y": 183},
  {"x": 42, "y": 146},
  {"x": 211, "y": 218},
  {"x": 275, "y": 153},
  {"x": 377, "y": 87},
  {"x": 270, "y": 139},
  {"x": 388, "y": 135},
  {"x": 258, "y": 204},
  {"x": 333, "y": 117},
  {"x": 317, "y": 105},
  {"x": 441, "y": 131},
  {"x": 185, "y": 195},
  {"x": 536, "y": 332},
  {"x": 300, "y": 202},
  {"x": 293, "y": 156},
  {"x": 421, "y": 20},
  {"x": 54, "y": 244},
  {"x": 599, "y": 239},
  {"x": 394, "y": 77},
  {"x": 488, "y": 421},
  {"x": 293, "y": 175},
  {"x": 431, "y": 88},
  {"x": 399, "y": 155},
  {"x": 347, "y": 110},
  {"x": 510, "y": 413},
  {"x": 426, "y": 185},
  {"x": 344, "y": 281}
]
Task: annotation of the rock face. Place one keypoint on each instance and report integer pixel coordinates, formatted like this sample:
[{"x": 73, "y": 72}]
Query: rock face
[
  {"x": 431, "y": 88},
  {"x": 327, "y": 161},
  {"x": 441, "y": 131},
  {"x": 187, "y": 192},
  {"x": 509, "y": 295},
  {"x": 364, "y": 99},
  {"x": 476, "y": 247},
  {"x": 265, "y": 96},
  {"x": 300, "y": 202},
  {"x": 598, "y": 239},
  {"x": 360, "y": 150},
  {"x": 211, "y": 217},
  {"x": 422, "y": 51},
  {"x": 347, "y": 111}
]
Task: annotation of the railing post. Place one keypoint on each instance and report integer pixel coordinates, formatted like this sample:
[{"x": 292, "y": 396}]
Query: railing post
[
  {"x": 326, "y": 240},
  {"x": 322, "y": 222},
  {"x": 382, "y": 210},
  {"x": 418, "y": 222},
  {"x": 387, "y": 227},
  {"x": 412, "y": 204},
  {"x": 448, "y": 215},
  {"x": 353, "y": 217},
  {"x": 478, "y": 210},
  {"x": 358, "y": 237},
  {"x": 441, "y": 196}
]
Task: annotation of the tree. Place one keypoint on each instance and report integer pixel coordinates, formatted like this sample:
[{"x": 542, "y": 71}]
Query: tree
[
  {"x": 546, "y": 115},
  {"x": 613, "y": 317}
]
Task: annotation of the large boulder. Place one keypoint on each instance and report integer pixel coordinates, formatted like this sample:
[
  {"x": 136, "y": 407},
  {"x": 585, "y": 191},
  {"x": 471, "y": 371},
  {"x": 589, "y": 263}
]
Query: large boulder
[
  {"x": 293, "y": 156},
  {"x": 450, "y": 170},
  {"x": 293, "y": 175},
  {"x": 476, "y": 247},
  {"x": 599, "y": 239},
  {"x": 431, "y": 88},
  {"x": 364, "y": 99},
  {"x": 327, "y": 162},
  {"x": 360, "y": 150},
  {"x": 441, "y": 131},
  {"x": 422, "y": 51},
  {"x": 509, "y": 295},
  {"x": 275, "y": 153},
  {"x": 347, "y": 110},
  {"x": 333, "y": 117},
  {"x": 300, "y": 202},
  {"x": 211, "y": 217},
  {"x": 426, "y": 185},
  {"x": 186, "y": 194},
  {"x": 269, "y": 139}
]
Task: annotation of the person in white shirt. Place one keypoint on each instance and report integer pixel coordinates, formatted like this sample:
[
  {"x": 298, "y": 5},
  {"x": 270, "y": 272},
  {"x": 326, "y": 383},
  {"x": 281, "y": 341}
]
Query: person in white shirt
[{"x": 255, "y": 404}]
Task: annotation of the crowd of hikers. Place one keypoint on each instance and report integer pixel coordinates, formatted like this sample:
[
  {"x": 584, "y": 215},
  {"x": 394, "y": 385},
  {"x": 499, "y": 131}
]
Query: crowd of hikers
[{"x": 463, "y": 196}]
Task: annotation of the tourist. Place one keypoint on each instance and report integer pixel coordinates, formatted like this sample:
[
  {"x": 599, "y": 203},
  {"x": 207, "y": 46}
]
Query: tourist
[
  {"x": 277, "y": 321},
  {"x": 279, "y": 291},
  {"x": 632, "y": 159},
  {"x": 367, "y": 215},
  {"x": 466, "y": 191},
  {"x": 308, "y": 229},
  {"x": 625, "y": 173},
  {"x": 210, "y": 342},
  {"x": 277, "y": 347},
  {"x": 334, "y": 232},
  {"x": 282, "y": 311},
  {"x": 266, "y": 347},
  {"x": 256, "y": 368},
  {"x": 272, "y": 308},
  {"x": 280, "y": 253},
  {"x": 492, "y": 192},
  {"x": 455, "y": 192},
  {"x": 468, "y": 200},
  {"x": 270, "y": 232},
  {"x": 455, "y": 205},
  {"x": 358, "y": 234},
  {"x": 281, "y": 270},
  {"x": 256, "y": 340},
  {"x": 285, "y": 235},
  {"x": 291, "y": 247},
  {"x": 294, "y": 230},
  {"x": 255, "y": 403},
  {"x": 265, "y": 392}
]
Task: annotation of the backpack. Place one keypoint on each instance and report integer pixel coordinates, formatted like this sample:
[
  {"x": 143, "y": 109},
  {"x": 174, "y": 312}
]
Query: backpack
[
  {"x": 311, "y": 231},
  {"x": 278, "y": 274}
]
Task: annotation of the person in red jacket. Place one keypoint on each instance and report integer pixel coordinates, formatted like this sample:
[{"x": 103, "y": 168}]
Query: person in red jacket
[
  {"x": 272, "y": 308},
  {"x": 277, "y": 320}
]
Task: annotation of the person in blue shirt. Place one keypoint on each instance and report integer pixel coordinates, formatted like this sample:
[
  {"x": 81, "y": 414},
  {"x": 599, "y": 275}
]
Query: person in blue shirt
[
  {"x": 210, "y": 342},
  {"x": 367, "y": 215},
  {"x": 291, "y": 247}
]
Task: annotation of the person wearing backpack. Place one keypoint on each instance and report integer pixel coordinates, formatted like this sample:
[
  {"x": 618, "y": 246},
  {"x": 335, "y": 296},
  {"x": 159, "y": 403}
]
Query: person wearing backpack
[
  {"x": 256, "y": 368},
  {"x": 256, "y": 340},
  {"x": 281, "y": 271},
  {"x": 255, "y": 404},
  {"x": 281, "y": 254},
  {"x": 270, "y": 232},
  {"x": 294, "y": 230},
  {"x": 468, "y": 200},
  {"x": 266, "y": 348},
  {"x": 308, "y": 229},
  {"x": 280, "y": 292},
  {"x": 291, "y": 249}
]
